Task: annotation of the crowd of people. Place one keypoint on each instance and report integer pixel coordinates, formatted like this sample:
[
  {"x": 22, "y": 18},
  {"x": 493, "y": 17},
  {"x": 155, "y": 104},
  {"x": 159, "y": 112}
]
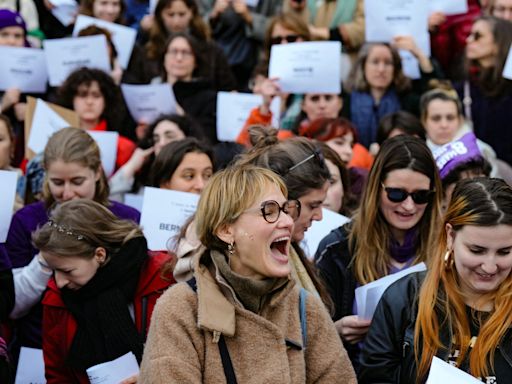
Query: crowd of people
[{"x": 420, "y": 169}]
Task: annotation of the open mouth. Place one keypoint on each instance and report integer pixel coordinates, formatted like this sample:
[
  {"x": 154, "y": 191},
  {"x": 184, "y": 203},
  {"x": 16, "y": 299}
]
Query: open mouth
[{"x": 280, "y": 245}]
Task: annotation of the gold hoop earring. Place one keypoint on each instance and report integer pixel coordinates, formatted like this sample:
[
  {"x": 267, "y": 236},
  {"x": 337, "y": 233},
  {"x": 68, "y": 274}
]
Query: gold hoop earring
[{"x": 448, "y": 259}]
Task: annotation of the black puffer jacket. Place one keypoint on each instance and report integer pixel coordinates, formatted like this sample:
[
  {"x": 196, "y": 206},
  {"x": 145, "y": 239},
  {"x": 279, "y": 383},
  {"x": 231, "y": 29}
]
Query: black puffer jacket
[{"x": 388, "y": 354}]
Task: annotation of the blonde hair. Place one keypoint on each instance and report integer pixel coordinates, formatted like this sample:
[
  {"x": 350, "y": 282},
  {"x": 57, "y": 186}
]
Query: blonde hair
[
  {"x": 369, "y": 237},
  {"x": 74, "y": 145},
  {"x": 78, "y": 227},
  {"x": 480, "y": 202},
  {"x": 227, "y": 195}
]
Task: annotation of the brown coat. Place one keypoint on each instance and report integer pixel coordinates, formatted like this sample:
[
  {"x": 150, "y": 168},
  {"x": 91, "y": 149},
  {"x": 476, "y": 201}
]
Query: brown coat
[{"x": 181, "y": 345}]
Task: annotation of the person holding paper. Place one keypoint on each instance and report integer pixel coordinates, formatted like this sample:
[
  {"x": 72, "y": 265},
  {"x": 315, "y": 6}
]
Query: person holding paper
[
  {"x": 184, "y": 165},
  {"x": 238, "y": 26},
  {"x": 195, "y": 95},
  {"x": 460, "y": 310},
  {"x": 113, "y": 11},
  {"x": 393, "y": 229},
  {"x": 99, "y": 104},
  {"x": 173, "y": 16},
  {"x": 73, "y": 170},
  {"x": 104, "y": 287},
  {"x": 377, "y": 86},
  {"x": 486, "y": 93},
  {"x": 239, "y": 319},
  {"x": 134, "y": 174},
  {"x": 13, "y": 33}
]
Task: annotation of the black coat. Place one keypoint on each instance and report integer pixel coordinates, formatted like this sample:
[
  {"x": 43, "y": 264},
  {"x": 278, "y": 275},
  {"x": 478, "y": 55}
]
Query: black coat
[{"x": 388, "y": 354}]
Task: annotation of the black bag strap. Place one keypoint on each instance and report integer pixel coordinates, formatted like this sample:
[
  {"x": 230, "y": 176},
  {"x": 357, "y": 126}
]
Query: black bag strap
[{"x": 227, "y": 364}]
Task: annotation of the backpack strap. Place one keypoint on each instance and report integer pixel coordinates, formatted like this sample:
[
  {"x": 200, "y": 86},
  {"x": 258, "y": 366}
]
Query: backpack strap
[
  {"x": 303, "y": 320},
  {"x": 227, "y": 364}
]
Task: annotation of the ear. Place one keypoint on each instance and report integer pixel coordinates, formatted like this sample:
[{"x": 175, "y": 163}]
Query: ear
[
  {"x": 450, "y": 236},
  {"x": 226, "y": 233},
  {"x": 100, "y": 255}
]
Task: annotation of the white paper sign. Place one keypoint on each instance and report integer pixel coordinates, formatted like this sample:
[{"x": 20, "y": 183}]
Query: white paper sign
[
  {"x": 368, "y": 296},
  {"x": 252, "y": 3},
  {"x": 448, "y": 7},
  {"x": 234, "y": 108},
  {"x": 507, "y": 69},
  {"x": 63, "y": 56},
  {"x": 442, "y": 372},
  {"x": 386, "y": 19},
  {"x": 147, "y": 102},
  {"x": 309, "y": 67},
  {"x": 65, "y": 11},
  {"x": 44, "y": 124},
  {"x": 319, "y": 229},
  {"x": 107, "y": 141},
  {"x": 115, "y": 371},
  {"x": 30, "y": 367},
  {"x": 163, "y": 213},
  {"x": 8, "y": 181},
  {"x": 23, "y": 68},
  {"x": 123, "y": 37}
]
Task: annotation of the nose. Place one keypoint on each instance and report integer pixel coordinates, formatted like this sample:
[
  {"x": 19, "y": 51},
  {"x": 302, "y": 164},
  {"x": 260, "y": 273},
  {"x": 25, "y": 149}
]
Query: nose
[
  {"x": 199, "y": 183},
  {"x": 68, "y": 193},
  {"x": 60, "y": 280},
  {"x": 317, "y": 214},
  {"x": 285, "y": 221},
  {"x": 408, "y": 203},
  {"x": 489, "y": 265}
]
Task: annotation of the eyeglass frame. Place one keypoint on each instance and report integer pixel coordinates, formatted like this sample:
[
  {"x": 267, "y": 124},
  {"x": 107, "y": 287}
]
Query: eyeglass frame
[
  {"x": 281, "y": 208},
  {"x": 289, "y": 39},
  {"x": 413, "y": 195}
]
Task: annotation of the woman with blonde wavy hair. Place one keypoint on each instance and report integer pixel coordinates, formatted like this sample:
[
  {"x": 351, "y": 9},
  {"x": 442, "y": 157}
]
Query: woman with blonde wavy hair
[
  {"x": 460, "y": 310},
  {"x": 393, "y": 229}
]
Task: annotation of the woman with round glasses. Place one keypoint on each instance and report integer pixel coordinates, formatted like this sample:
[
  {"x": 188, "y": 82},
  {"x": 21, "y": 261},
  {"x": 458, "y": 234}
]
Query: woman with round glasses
[
  {"x": 460, "y": 309},
  {"x": 393, "y": 229},
  {"x": 205, "y": 330}
]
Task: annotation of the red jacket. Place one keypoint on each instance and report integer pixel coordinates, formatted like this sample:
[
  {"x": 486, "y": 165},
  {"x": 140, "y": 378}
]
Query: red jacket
[{"x": 59, "y": 326}]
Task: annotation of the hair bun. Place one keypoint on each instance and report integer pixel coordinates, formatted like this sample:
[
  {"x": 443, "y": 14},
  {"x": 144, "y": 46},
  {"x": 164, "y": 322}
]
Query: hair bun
[{"x": 262, "y": 136}]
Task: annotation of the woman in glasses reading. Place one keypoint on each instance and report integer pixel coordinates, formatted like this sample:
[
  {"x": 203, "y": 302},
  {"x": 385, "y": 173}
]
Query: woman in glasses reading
[
  {"x": 392, "y": 230},
  {"x": 242, "y": 319}
]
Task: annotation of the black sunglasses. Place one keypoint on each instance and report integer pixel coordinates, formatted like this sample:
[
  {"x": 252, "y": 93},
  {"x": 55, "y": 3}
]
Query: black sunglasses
[
  {"x": 397, "y": 195},
  {"x": 271, "y": 210},
  {"x": 317, "y": 154},
  {"x": 289, "y": 39}
]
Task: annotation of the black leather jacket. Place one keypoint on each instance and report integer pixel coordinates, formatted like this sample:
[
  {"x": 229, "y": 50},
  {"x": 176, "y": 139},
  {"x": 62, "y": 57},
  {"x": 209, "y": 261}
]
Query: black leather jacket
[{"x": 388, "y": 353}]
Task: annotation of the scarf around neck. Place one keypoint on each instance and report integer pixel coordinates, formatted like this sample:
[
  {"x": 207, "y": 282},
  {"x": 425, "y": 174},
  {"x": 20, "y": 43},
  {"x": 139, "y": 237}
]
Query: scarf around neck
[
  {"x": 365, "y": 114},
  {"x": 105, "y": 329},
  {"x": 406, "y": 251},
  {"x": 252, "y": 293}
]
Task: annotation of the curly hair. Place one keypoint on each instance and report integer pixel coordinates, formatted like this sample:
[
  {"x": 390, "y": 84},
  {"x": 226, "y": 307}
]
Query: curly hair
[{"x": 114, "y": 105}]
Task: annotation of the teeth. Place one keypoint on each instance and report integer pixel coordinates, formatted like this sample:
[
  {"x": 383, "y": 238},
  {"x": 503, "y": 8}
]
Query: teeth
[{"x": 284, "y": 238}]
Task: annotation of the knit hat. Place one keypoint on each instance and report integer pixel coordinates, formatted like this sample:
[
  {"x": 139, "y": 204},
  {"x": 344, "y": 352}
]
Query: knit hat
[
  {"x": 9, "y": 18},
  {"x": 456, "y": 153}
]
